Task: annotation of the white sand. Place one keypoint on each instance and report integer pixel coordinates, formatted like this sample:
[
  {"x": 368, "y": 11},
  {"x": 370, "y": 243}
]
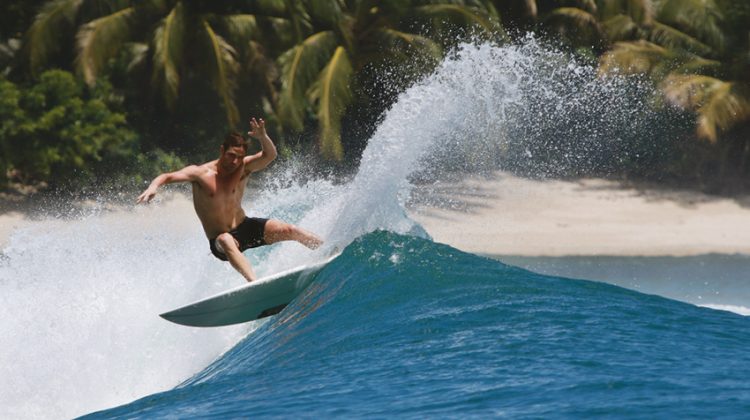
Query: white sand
[{"x": 506, "y": 215}]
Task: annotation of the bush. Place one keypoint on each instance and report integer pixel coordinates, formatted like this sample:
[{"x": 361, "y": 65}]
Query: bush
[{"x": 60, "y": 132}]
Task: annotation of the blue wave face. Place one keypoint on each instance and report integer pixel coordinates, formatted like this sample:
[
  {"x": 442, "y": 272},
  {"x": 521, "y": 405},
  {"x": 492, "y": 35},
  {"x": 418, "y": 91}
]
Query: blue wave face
[{"x": 401, "y": 326}]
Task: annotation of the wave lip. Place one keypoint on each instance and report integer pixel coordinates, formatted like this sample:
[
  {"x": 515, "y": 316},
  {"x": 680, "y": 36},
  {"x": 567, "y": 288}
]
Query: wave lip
[{"x": 738, "y": 309}]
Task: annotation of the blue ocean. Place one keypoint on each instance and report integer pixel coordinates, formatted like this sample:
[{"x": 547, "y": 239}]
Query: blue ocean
[{"x": 397, "y": 325}]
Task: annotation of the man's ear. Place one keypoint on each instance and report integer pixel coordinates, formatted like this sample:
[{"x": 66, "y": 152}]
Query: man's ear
[{"x": 221, "y": 150}]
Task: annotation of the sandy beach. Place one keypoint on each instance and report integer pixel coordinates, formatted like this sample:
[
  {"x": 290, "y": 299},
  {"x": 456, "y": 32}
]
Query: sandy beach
[{"x": 507, "y": 215}]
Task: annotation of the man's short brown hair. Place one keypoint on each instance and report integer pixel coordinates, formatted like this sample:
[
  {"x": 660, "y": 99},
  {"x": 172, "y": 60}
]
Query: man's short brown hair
[{"x": 234, "y": 139}]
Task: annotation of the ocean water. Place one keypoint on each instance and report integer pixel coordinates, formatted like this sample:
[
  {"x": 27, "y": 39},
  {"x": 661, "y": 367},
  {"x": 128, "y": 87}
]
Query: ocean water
[
  {"x": 717, "y": 281},
  {"x": 400, "y": 326},
  {"x": 397, "y": 326}
]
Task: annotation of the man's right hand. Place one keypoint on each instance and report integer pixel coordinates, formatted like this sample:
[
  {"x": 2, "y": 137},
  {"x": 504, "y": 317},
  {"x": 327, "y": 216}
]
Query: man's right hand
[{"x": 146, "y": 196}]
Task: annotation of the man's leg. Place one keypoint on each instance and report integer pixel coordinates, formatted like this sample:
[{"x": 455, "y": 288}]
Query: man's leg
[
  {"x": 277, "y": 231},
  {"x": 230, "y": 247}
]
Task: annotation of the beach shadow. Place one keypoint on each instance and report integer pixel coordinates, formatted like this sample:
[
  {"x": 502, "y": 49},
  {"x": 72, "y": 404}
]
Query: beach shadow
[
  {"x": 446, "y": 194},
  {"x": 454, "y": 193},
  {"x": 657, "y": 193}
]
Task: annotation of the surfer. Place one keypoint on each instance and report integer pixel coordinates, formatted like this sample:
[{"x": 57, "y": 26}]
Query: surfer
[{"x": 218, "y": 187}]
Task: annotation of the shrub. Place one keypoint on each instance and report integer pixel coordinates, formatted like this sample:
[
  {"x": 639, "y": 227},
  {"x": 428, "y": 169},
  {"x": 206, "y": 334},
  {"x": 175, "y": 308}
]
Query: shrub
[{"x": 60, "y": 132}]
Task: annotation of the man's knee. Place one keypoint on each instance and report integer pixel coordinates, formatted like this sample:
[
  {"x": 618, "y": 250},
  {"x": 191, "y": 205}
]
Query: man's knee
[
  {"x": 226, "y": 242},
  {"x": 287, "y": 230}
]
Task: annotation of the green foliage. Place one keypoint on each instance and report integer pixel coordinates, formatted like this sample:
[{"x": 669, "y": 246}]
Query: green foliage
[
  {"x": 692, "y": 54},
  {"x": 58, "y": 131},
  {"x": 146, "y": 166},
  {"x": 171, "y": 43},
  {"x": 189, "y": 70}
]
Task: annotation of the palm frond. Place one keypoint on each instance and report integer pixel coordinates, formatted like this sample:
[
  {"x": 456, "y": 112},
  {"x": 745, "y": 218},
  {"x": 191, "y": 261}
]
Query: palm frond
[
  {"x": 299, "y": 18},
  {"x": 396, "y": 40},
  {"x": 167, "y": 57},
  {"x": 223, "y": 68},
  {"x": 643, "y": 57},
  {"x": 299, "y": 67},
  {"x": 42, "y": 38},
  {"x": 271, "y": 7},
  {"x": 621, "y": 28},
  {"x": 640, "y": 11},
  {"x": 99, "y": 40},
  {"x": 241, "y": 27},
  {"x": 700, "y": 18},
  {"x": 587, "y": 5},
  {"x": 637, "y": 57},
  {"x": 530, "y": 9},
  {"x": 332, "y": 93},
  {"x": 237, "y": 29},
  {"x": 261, "y": 70},
  {"x": 670, "y": 37},
  {"x": 326, "y": 12},
  {"x": 276, "y": 33},
  {"x": 693, "y": 64},
  {"x": 573, "y": 16},
  {"x": 463, "y": 14},
  {"x": 717, "y": 103},
  {"x": 138, "y": 54}
]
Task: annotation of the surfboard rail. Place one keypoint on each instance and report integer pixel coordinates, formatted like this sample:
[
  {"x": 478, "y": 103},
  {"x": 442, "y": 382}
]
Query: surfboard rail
[{"x": 264, "y": 297}]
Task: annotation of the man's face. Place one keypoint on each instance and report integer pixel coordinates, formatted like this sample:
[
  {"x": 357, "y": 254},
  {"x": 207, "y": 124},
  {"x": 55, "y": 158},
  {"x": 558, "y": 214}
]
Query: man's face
[{"x": 231, "y": 158}]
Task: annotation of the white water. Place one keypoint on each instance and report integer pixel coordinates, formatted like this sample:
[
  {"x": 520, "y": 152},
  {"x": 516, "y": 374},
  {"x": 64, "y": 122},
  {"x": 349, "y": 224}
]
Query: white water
[
  {"x": 80, "y": 298},
  {"x": 741, "y": 310},
  {"x": 79, "y": 301}
]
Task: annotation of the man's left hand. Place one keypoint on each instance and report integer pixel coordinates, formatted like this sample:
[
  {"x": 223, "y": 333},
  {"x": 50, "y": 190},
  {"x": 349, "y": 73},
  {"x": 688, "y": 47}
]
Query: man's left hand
[{"x": 257, "y": 128}]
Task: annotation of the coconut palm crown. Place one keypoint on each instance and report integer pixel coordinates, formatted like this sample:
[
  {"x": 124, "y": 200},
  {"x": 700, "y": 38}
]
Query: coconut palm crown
[
  {"x": 696, "y": 51},
  {"x": 217, "y": 41}
]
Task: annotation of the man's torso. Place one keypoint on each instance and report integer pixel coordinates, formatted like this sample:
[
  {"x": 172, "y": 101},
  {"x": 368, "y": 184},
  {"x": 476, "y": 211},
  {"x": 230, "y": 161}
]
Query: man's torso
[{"x": 217, "y": 199}]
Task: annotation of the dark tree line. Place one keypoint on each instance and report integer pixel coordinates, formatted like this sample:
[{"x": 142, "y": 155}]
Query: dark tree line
[{"x": 91, "y": 85}]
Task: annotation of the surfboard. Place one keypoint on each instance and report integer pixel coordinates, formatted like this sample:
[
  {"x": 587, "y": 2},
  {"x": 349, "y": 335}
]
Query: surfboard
[{"x": 264, "y": 297}]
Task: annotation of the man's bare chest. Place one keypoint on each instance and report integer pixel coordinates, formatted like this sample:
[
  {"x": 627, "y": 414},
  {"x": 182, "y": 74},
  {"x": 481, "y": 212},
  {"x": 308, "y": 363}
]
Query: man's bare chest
[{"x": 212, "y": 187}]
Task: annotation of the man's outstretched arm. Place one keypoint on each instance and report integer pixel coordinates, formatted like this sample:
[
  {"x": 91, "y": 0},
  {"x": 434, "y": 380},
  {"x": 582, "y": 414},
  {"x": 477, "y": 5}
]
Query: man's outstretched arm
[
  {"x": 186, "y": 174},
  {"x": 261, "y": 159}
]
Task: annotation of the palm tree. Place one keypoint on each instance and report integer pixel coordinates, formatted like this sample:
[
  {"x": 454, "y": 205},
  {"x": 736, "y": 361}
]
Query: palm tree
[
  {"x": 217, "y": 41},
  {"x": 687, "y": 46},
  {"x": 690, "y": 51},
  {"x": 318, "y": 74}
]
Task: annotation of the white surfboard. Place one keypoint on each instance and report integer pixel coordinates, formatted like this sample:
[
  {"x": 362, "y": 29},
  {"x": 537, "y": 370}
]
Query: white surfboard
[{"x": 259, "y": 299}]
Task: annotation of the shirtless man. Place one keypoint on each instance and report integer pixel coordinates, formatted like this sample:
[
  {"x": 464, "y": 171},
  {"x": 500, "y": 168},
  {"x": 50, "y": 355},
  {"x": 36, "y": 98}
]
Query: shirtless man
[{"x": 218, "y": 187}]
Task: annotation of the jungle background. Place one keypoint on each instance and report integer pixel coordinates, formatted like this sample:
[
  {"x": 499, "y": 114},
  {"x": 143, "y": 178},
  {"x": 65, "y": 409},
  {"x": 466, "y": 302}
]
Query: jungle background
[{"x": 107, "y": 94}]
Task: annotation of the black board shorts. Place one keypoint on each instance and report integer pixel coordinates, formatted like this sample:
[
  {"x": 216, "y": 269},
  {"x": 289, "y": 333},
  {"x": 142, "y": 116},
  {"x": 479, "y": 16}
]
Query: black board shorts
[{"x": 249, "y": 234}]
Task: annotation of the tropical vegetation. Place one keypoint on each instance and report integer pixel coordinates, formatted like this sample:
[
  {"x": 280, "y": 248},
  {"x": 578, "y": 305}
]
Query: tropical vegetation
[
  {"x": 91, "y": 84},
  {"x": 696, "y": 51},
  {"x": 57, "y": 129}
]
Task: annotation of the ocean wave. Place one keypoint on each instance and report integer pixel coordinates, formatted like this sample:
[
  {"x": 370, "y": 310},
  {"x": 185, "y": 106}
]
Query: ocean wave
[{"x": 401, "y": 326}]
